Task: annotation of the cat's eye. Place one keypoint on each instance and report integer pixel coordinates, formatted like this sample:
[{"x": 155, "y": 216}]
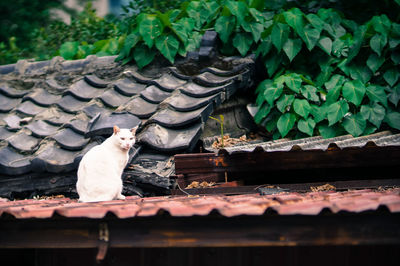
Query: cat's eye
[
  {"x": 122, "y": 138},
  {"x": 131, "y": 138}
]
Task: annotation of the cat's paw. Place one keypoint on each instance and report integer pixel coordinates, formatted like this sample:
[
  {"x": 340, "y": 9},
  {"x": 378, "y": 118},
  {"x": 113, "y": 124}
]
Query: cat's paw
[{"x": 121, "y": 197}]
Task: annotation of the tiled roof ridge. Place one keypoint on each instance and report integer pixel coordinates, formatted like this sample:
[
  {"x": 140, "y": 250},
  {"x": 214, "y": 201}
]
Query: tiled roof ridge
[
  {"x": 379, "y": 139},
  {"x": 286, "y": 203}
]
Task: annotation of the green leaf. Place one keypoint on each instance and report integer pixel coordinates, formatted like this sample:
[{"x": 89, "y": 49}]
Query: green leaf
[
  {"x": 279, "y": 35},
  {"x": 238, "y": 9},
  {"x": 310, "y": 36},
  {"x": 68, "y": 50},
  {"x": 361, "y": 73},
  {"x": 242, "y": 42},
  {"x": 130, "y": 42},
  {"x": 325, "y": 43},
  {"x": 292, "y": 47},
  {"x": 393, "y": 119},
  {"x": 377, "y": 43},
  {"x": 293, "y": 81},
  {"x": 272, "y": 62},
  {"x": 182, "y": 28},
  {"x": 262, "y": 113},
  {"x": 373, "y": 113},
  {"x": 354, "y": 91},
  {"x": 306, "y": 126},
  {"x": 335, "y": 81},
  {"x": 264, "y": 47},
  {"x": 271, "y": 93},
  {"x": 194, "y": 41},
  {"x": 301, "y": 107},
  {"x": 310, "y": 93},
  {"x": 336, "y": 111},
  {"x": 381, "y": 24},
  {"x": 224, "y": 26},
  {"x": 318, "y": 112},
  {"x": 143, "y": 55},
  {"x": 327, "y": 131},
  {"x": 168, "y": 45},
  {"x": 317, "y": 23},
  {"x": 294, "y": 18},
  {"x": 193, "y": 10},
  {"x": 285, "y": 123},
  {"x": 150, "y": 28},
  {"x": 395, "y": 56},
  {"x": 377, "y": 94},
  {"x": 284, "y": 101},
  {"x": 257, "y": 15},
  {"x": 333, "y": 94},
  {"x": 359, "y": 37},
  {"x": 394, "y": 95},
  {"x": 391, "y": 76},
  {"x": 354, "y": 124},
  {"x": 374, "y": 62},
  {"x": 254, "y": 28}
]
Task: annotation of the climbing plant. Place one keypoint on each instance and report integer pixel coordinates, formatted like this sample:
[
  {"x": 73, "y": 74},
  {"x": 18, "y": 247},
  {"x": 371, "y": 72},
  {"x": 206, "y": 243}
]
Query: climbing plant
[{"x": 324, "y": 73}]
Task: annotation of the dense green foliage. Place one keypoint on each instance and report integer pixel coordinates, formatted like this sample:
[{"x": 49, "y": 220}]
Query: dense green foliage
[{"x": 327, "y": 71}]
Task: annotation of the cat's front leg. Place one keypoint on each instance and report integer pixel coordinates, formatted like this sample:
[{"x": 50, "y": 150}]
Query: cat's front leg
[{"x": 120, "y": 197}]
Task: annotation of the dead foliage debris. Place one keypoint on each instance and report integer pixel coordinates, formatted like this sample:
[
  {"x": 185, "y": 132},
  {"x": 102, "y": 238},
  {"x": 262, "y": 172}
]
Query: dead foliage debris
[{"x": 326, "y": 187}]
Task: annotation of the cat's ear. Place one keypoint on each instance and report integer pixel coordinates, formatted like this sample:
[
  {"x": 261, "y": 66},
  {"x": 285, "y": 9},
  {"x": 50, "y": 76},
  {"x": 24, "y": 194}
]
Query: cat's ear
[
  {"x": 116, "y": 129},
  {"x": 133, "y": 130}
]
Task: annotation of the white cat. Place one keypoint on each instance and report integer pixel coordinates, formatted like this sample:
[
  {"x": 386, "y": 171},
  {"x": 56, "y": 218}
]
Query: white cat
[{"x": 100, "y": 170}]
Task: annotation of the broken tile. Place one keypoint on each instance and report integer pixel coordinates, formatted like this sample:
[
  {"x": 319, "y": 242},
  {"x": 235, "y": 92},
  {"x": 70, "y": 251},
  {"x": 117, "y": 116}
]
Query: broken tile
[
  {"x": 30, "y": 108},
  {"x": 199, "y": 91},
  {"x": 42, "y": 129},
  {"x": 103, "y": 124},
  {"x": 154, "y": 95},
  {"x": 83, "y": 91},
  {"x": 95, "y": 81},
  {"x": 113, "y": 99},
  {"x": 13, "y": 122},
  {"x": 164, "y": 139},
  {"x": 13, "y": 163},
  {"x": 53, "y": 159},
  {"x": 12, "y": 92},
  {"x": 70, "y": 140},
  {"x": 128, "y": 87},
  {"x": 94, "y": 109},
  {"x": 42, "y": 97},
  {"x": 7, "y": 104},
  {"x": 23, "y": 142},
  {"x": 140, "y": 107},
  {"x": 183, "y": 102},
  {"x": 70, "y": 104},
  {"x": 174, "y": 119}
]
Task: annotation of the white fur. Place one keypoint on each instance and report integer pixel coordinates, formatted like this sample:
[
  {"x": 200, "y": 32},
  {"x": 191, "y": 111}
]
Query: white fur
[{"x": 100, "y": 170}]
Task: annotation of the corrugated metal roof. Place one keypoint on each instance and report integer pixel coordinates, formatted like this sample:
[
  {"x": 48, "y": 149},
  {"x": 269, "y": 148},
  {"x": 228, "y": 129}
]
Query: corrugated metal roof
[
  {"x": 311, "y": 203},
  {"x": 381, "y": 139}
]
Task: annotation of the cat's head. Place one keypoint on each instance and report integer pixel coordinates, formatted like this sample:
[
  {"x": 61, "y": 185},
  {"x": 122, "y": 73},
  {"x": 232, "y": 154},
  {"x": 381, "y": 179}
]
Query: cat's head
[{"x": 125, "y": 138}]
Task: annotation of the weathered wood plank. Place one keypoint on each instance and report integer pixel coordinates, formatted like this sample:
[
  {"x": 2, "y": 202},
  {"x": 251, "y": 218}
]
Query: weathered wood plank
[
  {"x": 370, "y": 156},
  {"x": 209, "y": 231}
]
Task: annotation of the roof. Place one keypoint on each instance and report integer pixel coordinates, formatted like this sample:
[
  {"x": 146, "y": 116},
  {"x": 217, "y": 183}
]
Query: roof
[
  {"x": 286, "y": 203},
  {"x": 52, "y": 112}
]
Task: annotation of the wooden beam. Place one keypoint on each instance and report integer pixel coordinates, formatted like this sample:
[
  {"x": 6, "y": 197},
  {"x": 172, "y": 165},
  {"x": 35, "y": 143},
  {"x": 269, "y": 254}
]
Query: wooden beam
[
  {"x": 370, "y": 156},
  {"x": 380, "y": 228}
]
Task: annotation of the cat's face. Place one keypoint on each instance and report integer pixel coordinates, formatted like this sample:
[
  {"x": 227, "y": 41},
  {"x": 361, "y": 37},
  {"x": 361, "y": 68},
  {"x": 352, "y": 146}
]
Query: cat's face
[{"x": 125, "y": 138}]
